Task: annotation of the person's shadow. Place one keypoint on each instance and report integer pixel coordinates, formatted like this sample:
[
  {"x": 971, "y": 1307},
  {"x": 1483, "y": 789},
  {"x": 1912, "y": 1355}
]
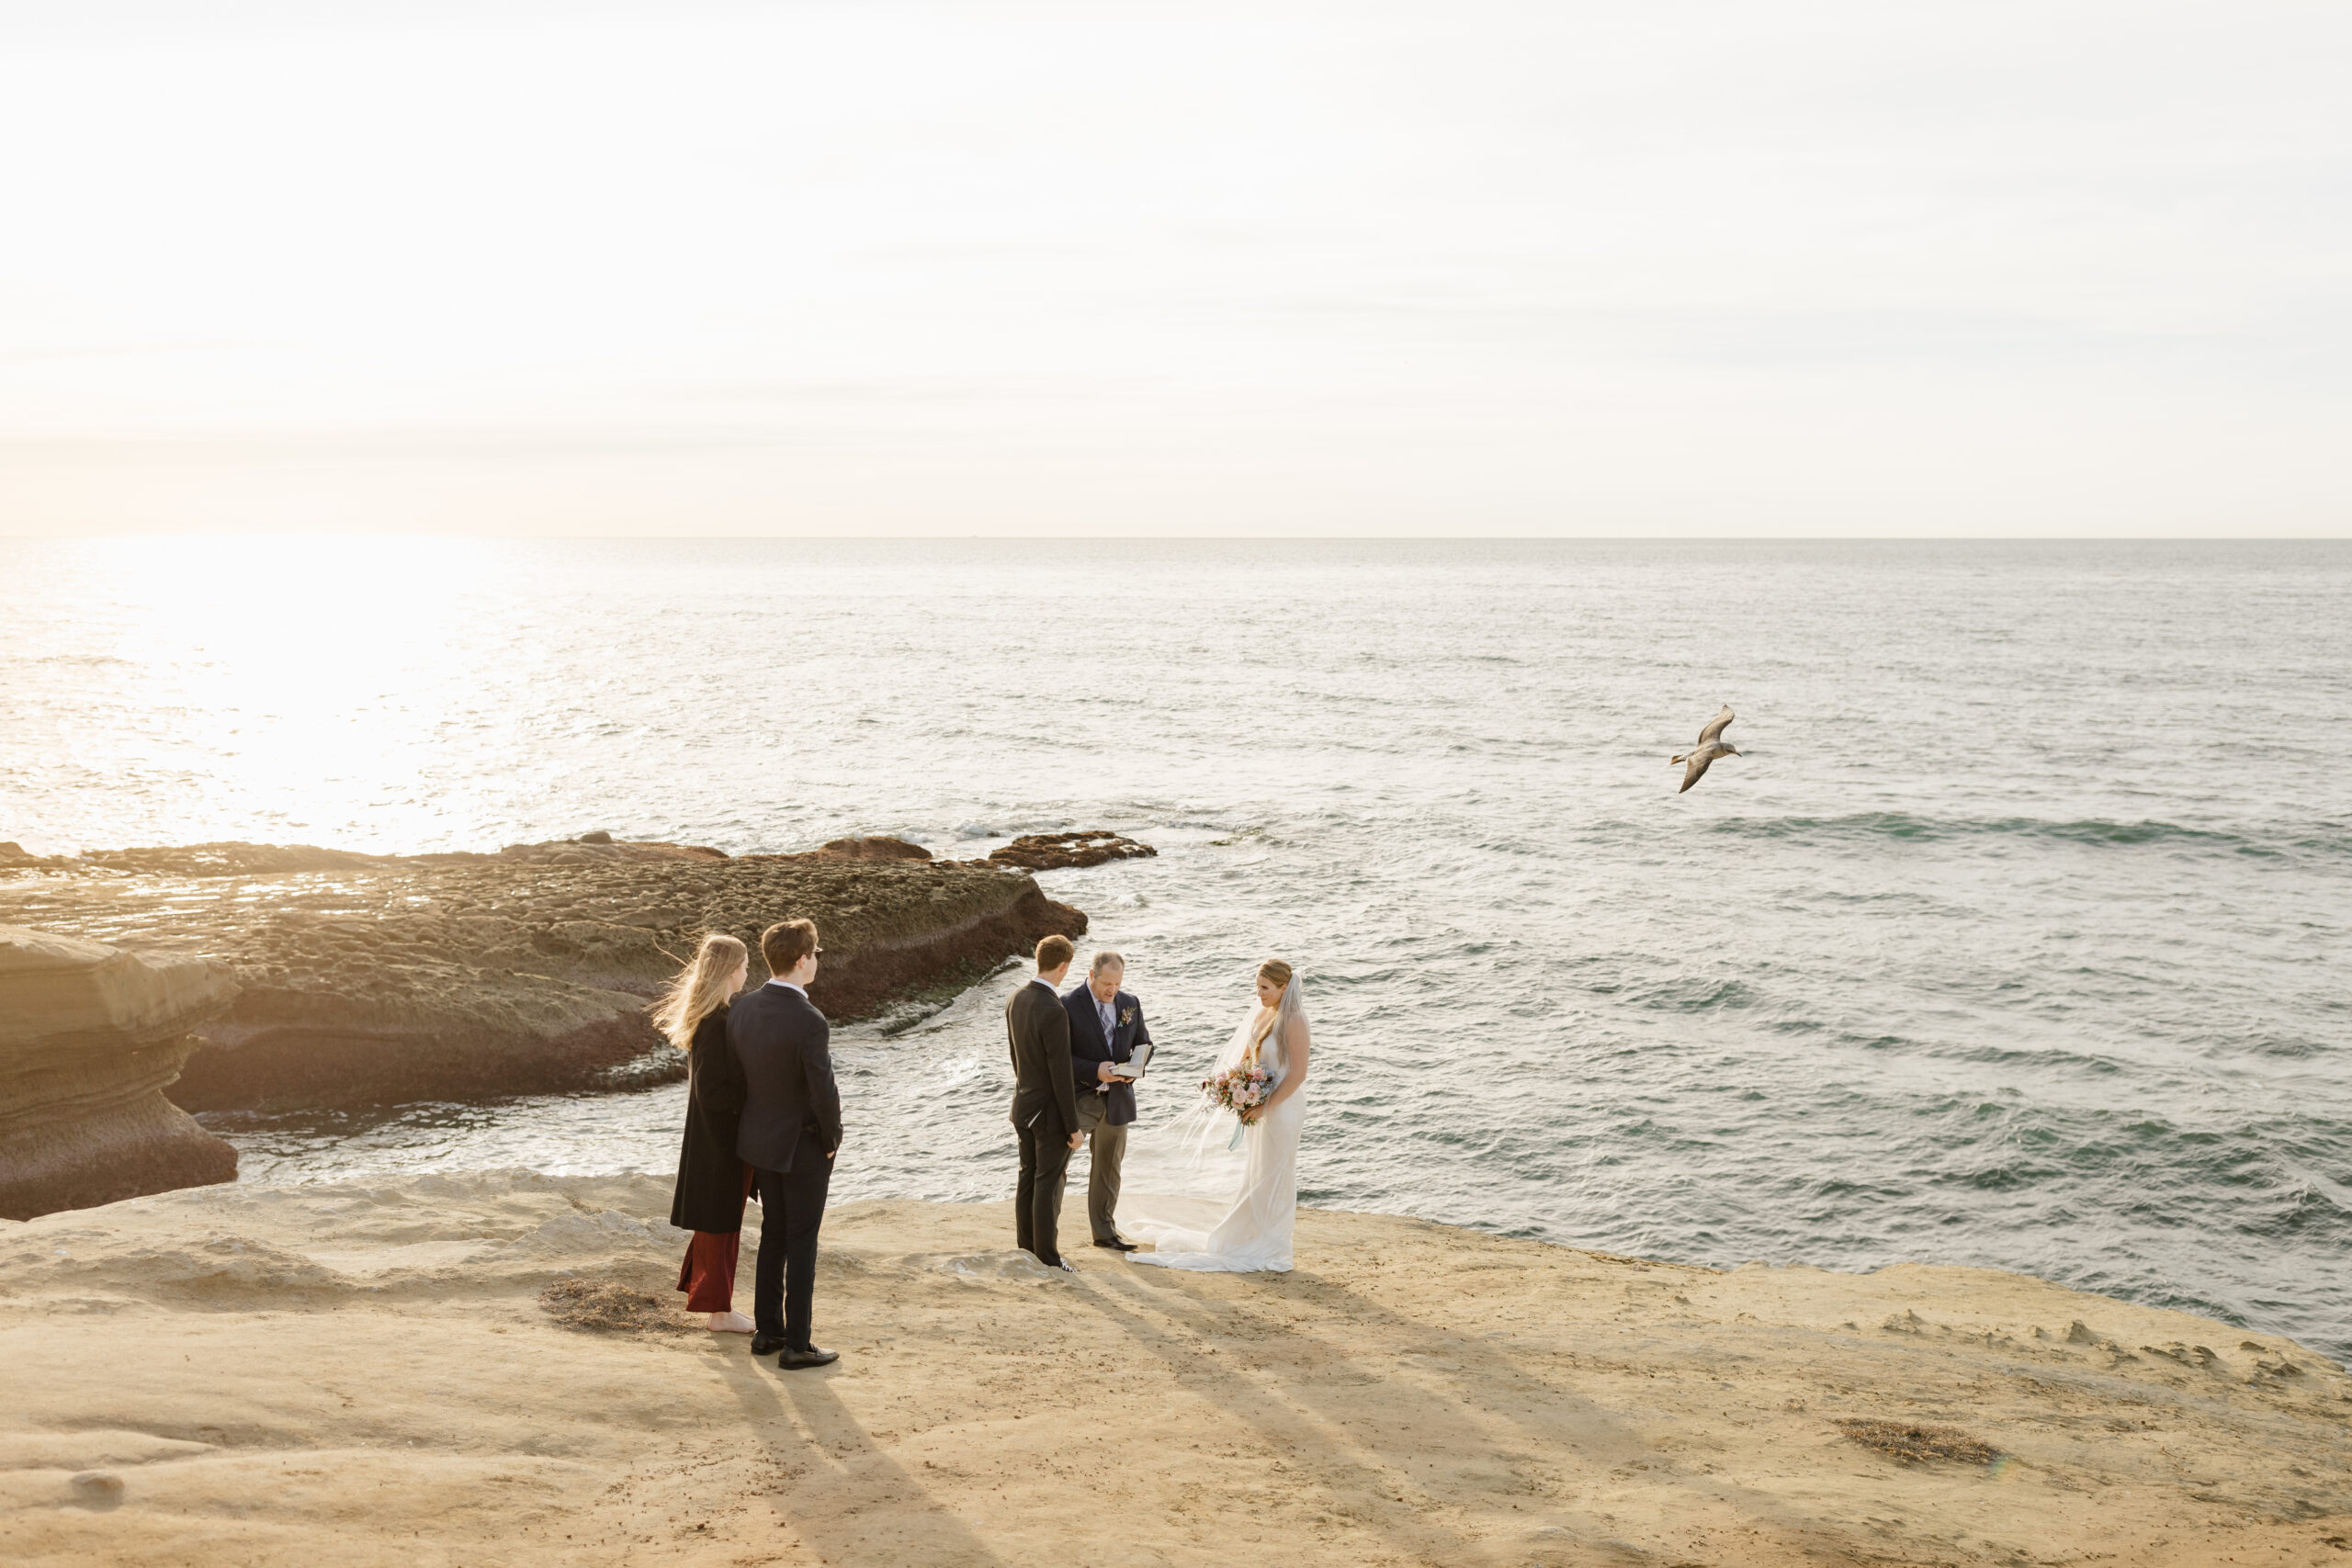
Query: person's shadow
[
  {"x": 860, "y": 1491},
  {"x": 1474, "y": 1400}
]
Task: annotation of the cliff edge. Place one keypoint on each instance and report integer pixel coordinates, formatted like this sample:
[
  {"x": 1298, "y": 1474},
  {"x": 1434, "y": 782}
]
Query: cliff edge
[
  {"x": 371, "y": 1373},
  {"x": 90, "y": 1036}
]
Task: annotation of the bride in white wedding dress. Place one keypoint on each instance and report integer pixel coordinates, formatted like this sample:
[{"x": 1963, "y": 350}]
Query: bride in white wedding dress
[{"x": 1200, "y": 1204}]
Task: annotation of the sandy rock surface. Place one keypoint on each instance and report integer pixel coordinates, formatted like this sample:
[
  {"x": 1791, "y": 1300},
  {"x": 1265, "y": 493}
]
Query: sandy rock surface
[
  {"x": 363, "y": 1374},
  {"x": 374, "y": 979},
  {"x": 90, "y": 1037}
]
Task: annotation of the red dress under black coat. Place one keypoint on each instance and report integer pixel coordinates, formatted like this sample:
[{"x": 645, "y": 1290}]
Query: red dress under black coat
[{"x": 710, "y": 1193}]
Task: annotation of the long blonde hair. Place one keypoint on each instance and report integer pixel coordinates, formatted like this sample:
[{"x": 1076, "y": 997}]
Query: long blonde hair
[
  {"x": 1276, "y": 973},
  {"x": 699, "y": 990}
]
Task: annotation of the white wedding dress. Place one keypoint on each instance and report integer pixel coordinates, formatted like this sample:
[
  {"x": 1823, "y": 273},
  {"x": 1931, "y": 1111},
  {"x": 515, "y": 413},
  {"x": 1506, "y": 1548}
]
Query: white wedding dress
[{"x": 1206, "y": 1207}]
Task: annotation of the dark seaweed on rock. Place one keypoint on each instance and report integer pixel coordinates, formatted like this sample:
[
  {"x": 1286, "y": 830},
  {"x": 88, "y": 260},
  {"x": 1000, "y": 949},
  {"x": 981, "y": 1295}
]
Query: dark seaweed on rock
[
  {"x": 601, "y": 1306},
  {"x": 1910, "y": 1444}
]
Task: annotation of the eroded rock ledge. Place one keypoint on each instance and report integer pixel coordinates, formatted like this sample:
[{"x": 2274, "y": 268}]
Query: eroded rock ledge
[
  {"x": 90, "y": 1036},
  {"x": 375, "y": 979}
]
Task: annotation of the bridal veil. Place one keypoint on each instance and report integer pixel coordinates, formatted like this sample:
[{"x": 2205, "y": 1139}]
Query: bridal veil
[{"x": 1203, "y": 1204}]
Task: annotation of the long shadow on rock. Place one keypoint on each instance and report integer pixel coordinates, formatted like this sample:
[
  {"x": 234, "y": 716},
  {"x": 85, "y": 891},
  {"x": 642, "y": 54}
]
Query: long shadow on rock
[
  {"x": 1422, "y": 1423},
  {"x": 805, "y": 1423}
]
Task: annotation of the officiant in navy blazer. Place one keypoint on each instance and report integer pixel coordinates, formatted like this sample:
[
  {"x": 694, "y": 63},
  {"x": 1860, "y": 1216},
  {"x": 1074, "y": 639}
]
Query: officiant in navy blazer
[{"x": 1105, "y": 1026}]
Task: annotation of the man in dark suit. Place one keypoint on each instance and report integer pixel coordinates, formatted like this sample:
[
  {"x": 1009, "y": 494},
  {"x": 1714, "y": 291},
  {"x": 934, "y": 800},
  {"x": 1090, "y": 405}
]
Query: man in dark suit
[
  {"x": 1105, "y": 1026},
  {"x": 1044, "y": 1105},
  {"x": 790, "y": 1130}
]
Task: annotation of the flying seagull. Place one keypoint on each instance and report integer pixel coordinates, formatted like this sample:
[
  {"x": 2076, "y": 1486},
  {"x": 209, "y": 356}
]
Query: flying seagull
[{"x": 1711, "y": 746}]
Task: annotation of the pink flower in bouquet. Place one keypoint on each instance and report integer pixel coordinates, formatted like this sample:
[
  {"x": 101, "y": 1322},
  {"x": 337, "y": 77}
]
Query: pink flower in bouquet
[
  {"x": 1240, "y": 1091},
  {"x": 1237, "y": 1089}
]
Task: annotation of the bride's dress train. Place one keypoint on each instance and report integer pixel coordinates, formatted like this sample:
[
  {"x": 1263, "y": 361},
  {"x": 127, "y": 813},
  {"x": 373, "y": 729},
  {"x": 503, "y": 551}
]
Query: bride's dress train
[
  {"x": 1205, "y": 1207},
  {"x": 1253, "y": 1233}
]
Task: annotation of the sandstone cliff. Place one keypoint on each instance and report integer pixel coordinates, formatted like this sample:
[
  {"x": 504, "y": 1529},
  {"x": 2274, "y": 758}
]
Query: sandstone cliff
[
  {"x": 89, "y": 1037},
  {"x": 374, "y": 979},
  {"x": 394, "y": 1371}
]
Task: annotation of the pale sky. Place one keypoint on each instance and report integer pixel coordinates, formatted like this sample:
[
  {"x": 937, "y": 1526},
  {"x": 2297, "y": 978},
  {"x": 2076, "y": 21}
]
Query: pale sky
[{"x": 890, "y": 267}]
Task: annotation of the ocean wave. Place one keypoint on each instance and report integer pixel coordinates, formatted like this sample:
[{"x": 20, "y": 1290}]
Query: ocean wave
[
  {"x": 2304, "y": 1214},
  {"x": 1695, "y": 994},
  {"x": 2038, "y": 1057},
  {"x": 2329, "y": 838}
]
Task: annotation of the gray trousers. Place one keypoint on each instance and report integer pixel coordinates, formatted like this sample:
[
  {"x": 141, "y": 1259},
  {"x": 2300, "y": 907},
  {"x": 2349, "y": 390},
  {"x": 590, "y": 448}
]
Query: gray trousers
[{"x": 1106, "y": 1146}]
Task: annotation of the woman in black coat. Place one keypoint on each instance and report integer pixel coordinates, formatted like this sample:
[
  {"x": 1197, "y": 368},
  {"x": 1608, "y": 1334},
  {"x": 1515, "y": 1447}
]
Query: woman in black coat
[{"x": 712, "y": 1182}]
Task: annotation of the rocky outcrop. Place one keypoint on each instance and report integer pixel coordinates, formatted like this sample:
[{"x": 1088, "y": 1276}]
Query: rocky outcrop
[
  {"x": 1058, "y": 852},
  {"x": 872, "y": 849},
  {"x": 376, "y": 979},
  {"x": 90, "y": 1036}
]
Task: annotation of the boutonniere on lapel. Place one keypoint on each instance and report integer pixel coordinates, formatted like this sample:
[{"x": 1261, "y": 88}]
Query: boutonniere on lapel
[{"x": 1126, "y": 1016}]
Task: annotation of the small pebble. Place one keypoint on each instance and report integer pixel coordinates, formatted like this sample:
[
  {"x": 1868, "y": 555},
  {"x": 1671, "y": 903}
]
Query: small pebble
[{"x": 98, "y": 1486}]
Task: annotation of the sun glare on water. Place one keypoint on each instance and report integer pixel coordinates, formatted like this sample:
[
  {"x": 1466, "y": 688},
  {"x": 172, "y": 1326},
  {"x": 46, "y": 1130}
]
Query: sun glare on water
[{"x": 325, "y": 687}]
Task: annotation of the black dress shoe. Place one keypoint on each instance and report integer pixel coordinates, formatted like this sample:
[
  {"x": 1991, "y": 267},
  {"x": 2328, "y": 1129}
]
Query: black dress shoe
[
  {"x": 1119, "y": 1245},
  {"x": 794, "y": 1361},
  {"x": 766, "y": 1344}
]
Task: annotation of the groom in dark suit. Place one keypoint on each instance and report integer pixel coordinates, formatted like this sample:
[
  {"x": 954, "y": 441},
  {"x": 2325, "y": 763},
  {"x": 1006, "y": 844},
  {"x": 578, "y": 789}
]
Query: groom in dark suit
[
  {"x": 1105, "y": 1026},
  {"x": 1045, "y": 1107},
  {"x": 790, "y": 1130}
]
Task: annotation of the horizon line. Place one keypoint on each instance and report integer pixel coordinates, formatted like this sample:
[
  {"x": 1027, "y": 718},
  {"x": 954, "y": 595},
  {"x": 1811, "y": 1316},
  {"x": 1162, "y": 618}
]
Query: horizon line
[{"x": 384, "y": 536}]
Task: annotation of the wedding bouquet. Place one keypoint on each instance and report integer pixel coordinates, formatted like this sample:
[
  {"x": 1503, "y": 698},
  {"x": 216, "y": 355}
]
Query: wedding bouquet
[{"x": 1239, "y": 1089}]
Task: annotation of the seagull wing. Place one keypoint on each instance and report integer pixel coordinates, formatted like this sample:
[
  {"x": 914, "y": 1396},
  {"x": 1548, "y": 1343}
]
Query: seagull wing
[
  {"x": 1698, "y": 767},
  {"x": 1716, "y": 726}
]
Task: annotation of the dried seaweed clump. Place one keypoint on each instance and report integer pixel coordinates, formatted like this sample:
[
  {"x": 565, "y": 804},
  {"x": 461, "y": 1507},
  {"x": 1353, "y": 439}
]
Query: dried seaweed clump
[
  {"x": 1908, "y": 1444},
  {"x": 601, "y": 1306}
]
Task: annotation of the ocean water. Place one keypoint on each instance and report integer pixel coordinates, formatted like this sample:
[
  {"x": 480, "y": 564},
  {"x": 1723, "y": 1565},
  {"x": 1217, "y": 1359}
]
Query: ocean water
[{"x": 2016, "y": 937}]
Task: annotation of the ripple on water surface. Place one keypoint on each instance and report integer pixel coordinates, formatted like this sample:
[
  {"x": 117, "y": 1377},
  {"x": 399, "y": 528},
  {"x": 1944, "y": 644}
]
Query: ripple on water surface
[{"x": 2011, "y": 939}]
